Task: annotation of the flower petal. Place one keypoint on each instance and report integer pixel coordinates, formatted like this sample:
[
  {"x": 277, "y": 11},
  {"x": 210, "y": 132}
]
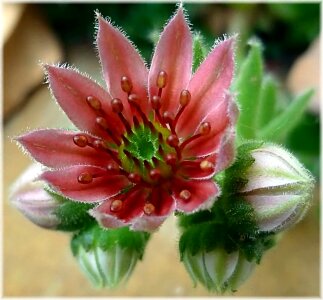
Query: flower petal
[
  {"x": 208, "y": 87},
  {"x": 191, "y": 169},
  {"x": 119, "y": 58},
  {"x": 71, "y": 90},
  {"x": 164, "y": 205},
  {"x": 203, "y": 193},
  {"x": 147, "y": 223},
  {"x": 56, "y": 148},
  {"x": 222, "y": 120},
  {"x": 132, "y": 206},
  {"x": 173, "y": 55},
  {"x": 66, "y": 182},
  {"x": 132, "y": 211}
]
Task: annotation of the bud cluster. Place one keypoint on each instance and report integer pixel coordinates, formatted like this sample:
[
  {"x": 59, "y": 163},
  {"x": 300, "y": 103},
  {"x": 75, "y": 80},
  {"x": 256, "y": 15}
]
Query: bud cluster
[{"x": 264, "y": 192}]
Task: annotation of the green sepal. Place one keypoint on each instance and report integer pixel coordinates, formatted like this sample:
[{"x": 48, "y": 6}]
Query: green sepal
[
  {"x": 199, "y": 50},
  {"x": 279, "y": 127},
  {"x": 235, "y": 176},
  {"x": 247, "y": 86},
  {"x": 231, "y": 223},
  {"x": 73, "y": 216},
  {"x": 95, "y": 236}
]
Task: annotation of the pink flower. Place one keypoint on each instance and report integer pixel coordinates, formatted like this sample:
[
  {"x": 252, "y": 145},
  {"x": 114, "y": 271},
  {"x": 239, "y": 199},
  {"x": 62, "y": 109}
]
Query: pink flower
[{"x": 151, "y": 143}]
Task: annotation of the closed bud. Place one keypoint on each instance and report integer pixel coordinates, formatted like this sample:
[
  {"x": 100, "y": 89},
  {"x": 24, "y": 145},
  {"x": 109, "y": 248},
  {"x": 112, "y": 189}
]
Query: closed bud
[
  {"x": 33, "y": 201},
  {"x": 108, "y": 256},
  {"x": 279, "y": 188},
  {"x": 217, "y": 270}
]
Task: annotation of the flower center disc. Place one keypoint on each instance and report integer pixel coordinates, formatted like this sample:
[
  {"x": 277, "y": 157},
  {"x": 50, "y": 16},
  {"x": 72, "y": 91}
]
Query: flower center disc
[{"x": 143, "y": 149}]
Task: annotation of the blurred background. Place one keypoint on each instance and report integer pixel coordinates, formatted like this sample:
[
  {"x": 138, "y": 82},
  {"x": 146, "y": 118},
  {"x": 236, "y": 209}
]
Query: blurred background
[{"x": 39, "y": 262}]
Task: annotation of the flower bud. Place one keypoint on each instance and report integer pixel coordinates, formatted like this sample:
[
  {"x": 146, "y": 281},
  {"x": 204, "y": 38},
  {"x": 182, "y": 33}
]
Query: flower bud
[
  {"x": 279, "y": 188},
  {"x": 33, "y": 201},
  {"x": 108, "y": 256},
  {"x": 218, "y": 270}
]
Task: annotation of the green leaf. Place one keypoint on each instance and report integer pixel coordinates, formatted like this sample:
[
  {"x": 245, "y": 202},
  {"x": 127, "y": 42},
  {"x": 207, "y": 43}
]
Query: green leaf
[
  {"x": 73, "y": 216},
  {"x": 247, "y": 87},
  {"x": 279, "y": 127},
  {"x": 267, "y": 101},
  {"x": 106, "y": 239},
  {"x": 199, "y": 50}
]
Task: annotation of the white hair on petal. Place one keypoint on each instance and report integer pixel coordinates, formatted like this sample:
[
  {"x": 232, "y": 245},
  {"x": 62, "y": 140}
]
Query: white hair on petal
[{"x": 123, "y": 33}]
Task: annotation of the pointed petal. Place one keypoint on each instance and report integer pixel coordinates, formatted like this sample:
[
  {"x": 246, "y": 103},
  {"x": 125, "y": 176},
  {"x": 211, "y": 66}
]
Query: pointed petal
[
  {"x": 56, "y": 148},
  {"x": 71, "y": 90},
  {"x": 192, "y": 170},
  {"x": 66, "y": 182},
  {"x": 164, "y": 205},
  {"x": 148, "y": 223},
  {"x": 132, "y": 206},
  {"x": 222, "y": 120},
  {"x": 105, "y": 219},
  {"x": 226, "y": 152},
  {"x": 132, "y": 212},
  {"x": 173, "y": 55},
  {"x": 208, "y": 87},
  {"x": 203, "y": 193},
  {"x": 119, "y": 58}
]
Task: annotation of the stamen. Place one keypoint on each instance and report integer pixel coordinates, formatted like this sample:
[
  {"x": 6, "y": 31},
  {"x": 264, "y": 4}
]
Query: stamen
[
  {"x": 112, "y": 167},
  {"x": 155, "y": 174},
  {"x": 135, "y": 122},
  {"x": 160, "y": 150},
  {"x": 80, "y": 140},
  {"x": 161, "y": 79},
  {"x": 149, "y": 208},
  {"x": 134, "y": 178},
  {"x": 102, "y": 122},
  {"x": 204, "y": 129},
  {"x": 155, "y": 103},
  {"x": 117, "y": 105},
  {"x": 125, "y": 140},
  {"x": 127, "y": 153},
  {"x": 155, "y": 161},
  {"x": 206, "y": 165},
  {"x": 85, "y": 178},
  {"x": 160, "y": 138},
  {"x": 101, "y": 145},
  {"x": 133, "y": 101},
  {"x": 168, "y": 117},
  {"x": 172, "y": 140},
  {"x": 185, "y": 195},
  {"x": 116, "y": 205},
  {"x": 184, "y": 100},
  {"x": 171, "y": 159},
  {"x": 147, "y": 164},
  {"x": 94, "y": 103},
  {"x": 126, "y": 84}
]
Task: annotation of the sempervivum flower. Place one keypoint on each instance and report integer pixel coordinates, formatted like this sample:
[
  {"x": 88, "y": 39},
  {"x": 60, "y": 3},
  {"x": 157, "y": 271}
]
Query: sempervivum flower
[{"x": 151, "y": 143}]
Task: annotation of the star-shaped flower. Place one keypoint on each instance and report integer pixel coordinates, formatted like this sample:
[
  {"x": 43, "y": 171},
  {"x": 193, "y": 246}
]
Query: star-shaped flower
[{"x": 149, "y": 144}]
